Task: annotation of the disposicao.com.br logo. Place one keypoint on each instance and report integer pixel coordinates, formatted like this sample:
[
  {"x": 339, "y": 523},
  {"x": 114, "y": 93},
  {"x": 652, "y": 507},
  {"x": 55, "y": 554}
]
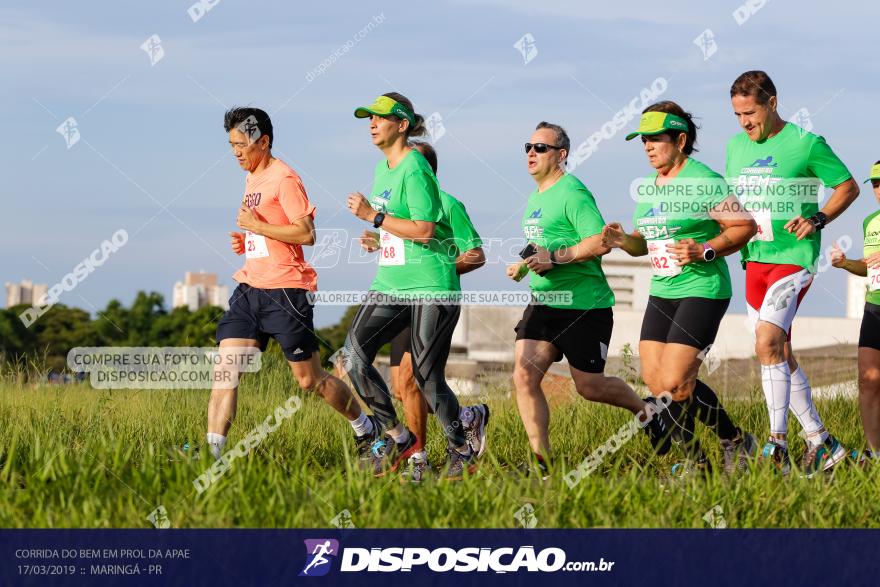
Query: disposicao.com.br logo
[{"x": 442, "y": 560}]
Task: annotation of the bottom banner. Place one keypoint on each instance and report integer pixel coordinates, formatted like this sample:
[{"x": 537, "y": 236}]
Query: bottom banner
[{"x": 438, "y": 557}]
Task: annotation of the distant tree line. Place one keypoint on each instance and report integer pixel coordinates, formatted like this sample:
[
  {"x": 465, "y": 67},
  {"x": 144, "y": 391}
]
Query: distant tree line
[{"x": 145, "y": 323}]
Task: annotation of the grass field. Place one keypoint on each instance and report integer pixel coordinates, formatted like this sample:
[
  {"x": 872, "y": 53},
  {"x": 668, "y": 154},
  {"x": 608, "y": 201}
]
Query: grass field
[{"x": 71, "y": 456}]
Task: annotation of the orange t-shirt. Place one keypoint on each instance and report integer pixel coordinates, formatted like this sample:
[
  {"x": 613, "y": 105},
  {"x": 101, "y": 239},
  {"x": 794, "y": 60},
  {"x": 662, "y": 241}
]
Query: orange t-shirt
[{"x": 277, "y": 196}]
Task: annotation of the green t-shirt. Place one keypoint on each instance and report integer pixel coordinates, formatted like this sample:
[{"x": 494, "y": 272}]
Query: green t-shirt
[
  {"x": 561, "y": 216},
  {"x": 776, "y": 180},
  {"x": 457, "y": 234},
  {"x": 680, "y": 210},
  {"x": 410, "y": 191},
  {"x": 871, "y": 229}
]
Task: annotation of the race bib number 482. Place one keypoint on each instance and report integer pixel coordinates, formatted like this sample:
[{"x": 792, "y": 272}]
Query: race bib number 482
[{"x": 662, "y": 262}]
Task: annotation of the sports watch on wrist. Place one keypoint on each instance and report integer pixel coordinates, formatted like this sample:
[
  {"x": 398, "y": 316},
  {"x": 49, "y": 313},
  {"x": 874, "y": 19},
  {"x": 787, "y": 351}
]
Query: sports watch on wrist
[
  {"x": 378, "y": 219},
  {"x": 709, "y": 253},
  {"x": 818, "y": 220}
]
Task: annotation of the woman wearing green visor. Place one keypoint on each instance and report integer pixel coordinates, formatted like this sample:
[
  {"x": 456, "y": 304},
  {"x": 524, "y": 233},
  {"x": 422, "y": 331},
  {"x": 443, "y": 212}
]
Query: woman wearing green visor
[
  {"x": 415, "y": 285},
  {"x": 869, "y": 336},
  {"x": 686, "y": 221}
]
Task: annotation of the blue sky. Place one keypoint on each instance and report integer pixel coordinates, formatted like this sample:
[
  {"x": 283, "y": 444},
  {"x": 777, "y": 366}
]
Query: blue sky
[{"x": 152, "y": 156}]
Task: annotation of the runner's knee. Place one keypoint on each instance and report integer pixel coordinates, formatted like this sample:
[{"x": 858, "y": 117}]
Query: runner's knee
[
  {"x": 680, "y": 387},
  {"x": 869, "y": 380}
]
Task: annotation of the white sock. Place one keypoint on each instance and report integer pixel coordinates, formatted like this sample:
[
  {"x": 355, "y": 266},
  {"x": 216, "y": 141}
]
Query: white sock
[
  {"x": 803, "y": 409},
  {"x": 776, "y": 382},
  {"x": 399, "y": 433},
  {"x": 361, "y": 425},
  {"x": 216, "y": 442}
]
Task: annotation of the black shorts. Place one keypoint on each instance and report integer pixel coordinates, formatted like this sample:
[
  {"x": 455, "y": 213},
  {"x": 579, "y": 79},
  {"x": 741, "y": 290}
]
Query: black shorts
[
  {"x": 283, "y": 313},
  {"x": 690, "y": 321},
  {"x": 401, "y": 344},
  {"x": 582, "y": 336},
  {"x": 869, "y": 336}
]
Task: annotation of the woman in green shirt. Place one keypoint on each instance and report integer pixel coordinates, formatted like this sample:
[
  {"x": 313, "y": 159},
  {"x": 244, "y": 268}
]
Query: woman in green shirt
[
  {"x": 869, "y": 337},
  {"x": 686, "y": 221},
  {"x": 416, "y": 285}
]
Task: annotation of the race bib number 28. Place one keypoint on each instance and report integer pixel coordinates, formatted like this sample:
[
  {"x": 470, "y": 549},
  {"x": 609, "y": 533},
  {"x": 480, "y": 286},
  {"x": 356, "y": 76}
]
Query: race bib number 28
[
  {"x": 662, "y": 262},
  {"x": 391, "y": 251}
]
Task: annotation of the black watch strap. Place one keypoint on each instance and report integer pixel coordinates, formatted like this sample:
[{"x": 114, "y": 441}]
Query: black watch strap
[{"x": 378, "y": 219}]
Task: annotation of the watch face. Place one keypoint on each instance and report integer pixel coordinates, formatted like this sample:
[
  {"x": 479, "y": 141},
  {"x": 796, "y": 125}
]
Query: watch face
[{"x": 709, "y": 254}]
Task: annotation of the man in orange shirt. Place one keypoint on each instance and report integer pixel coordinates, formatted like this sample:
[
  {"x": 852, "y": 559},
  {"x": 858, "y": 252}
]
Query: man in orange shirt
[{"x": 271, "y": 298}]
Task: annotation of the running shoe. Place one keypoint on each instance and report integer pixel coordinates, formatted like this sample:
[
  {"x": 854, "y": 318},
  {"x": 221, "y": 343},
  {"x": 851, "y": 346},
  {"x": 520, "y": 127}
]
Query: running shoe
[
  {"x": 822, "y": 457},
  {"x": 364, "y": 443},
  {"x": 863, "y": 459},
  {"x": 458, "y": 463},
  {"x": 657, "y": 432},
  {"x": 738, "y": 452},
  {"x": 416, "y": 469},
  {"x": 474, "y": 420},
  {"x": 389, "y": 455},
  {"x": 777, "y": 455},
  {"x": 692, "y": 469}
]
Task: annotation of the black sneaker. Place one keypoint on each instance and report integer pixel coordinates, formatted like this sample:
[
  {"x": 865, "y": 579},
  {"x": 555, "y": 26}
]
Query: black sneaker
[
  {"x": 474, "y": 420},
  {"x": 389, "y": 455},
  {"x": 364, "y": 443},
  {"x": 738, "y": 452},
  {"x": 657, "y": 432},
  {"x": 459, "y": 463}
]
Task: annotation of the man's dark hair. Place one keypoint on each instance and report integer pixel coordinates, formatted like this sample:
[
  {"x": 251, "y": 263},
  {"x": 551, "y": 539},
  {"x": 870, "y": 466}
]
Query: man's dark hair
[
  {"x": 248, "y": 120},
  {"x": 562, "y": 139},
  {"x": 427, "y": 152},
  {"x": 756, "y": 84}
]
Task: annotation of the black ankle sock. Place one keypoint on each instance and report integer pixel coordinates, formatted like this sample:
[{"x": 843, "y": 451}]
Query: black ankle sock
[
  {"x": 680, "y": 421},
  {"x": 706, "y": 408}
]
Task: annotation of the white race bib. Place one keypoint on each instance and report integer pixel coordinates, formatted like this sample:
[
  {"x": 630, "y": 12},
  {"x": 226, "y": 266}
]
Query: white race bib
[
  {"x": 662, "y": 262},
  {"x": 765, "y": 227},
  {"x": 255, "y": 245},
  {"x": 873, "y": 279},
  {"x": 391, "y": 251}
]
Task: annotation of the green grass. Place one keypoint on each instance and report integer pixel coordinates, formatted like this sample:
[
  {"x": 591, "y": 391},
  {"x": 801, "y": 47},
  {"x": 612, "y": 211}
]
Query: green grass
[{"x": 76, "y": 457}]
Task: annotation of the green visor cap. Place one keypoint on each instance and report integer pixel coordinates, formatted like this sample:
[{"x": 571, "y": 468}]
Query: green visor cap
[
  {"x": 385, "y": 106},
  {"x": 875, "y": 173},
  {"x": 654, "y": 123}
]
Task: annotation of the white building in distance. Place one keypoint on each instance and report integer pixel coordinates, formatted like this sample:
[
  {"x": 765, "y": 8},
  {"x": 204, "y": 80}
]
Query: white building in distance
[
  {"x": 198, "y": 290},
  {"x": 25, "y": 292}
]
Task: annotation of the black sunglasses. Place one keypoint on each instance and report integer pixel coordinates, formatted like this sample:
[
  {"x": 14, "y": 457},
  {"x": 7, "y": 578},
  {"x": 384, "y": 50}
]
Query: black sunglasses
[{"x": 540, "y": 148}]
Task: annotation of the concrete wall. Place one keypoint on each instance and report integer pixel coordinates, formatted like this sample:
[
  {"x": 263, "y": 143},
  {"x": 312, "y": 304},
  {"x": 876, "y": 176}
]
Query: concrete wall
[{"x": 487, "y": 333}]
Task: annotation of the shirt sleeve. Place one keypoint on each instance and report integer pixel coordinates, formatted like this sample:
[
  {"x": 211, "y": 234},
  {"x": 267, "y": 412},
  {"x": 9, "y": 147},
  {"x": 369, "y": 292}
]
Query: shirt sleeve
[
  {"x": 293, "y": 199},
  {"x": 825, "y": 165},
  {"x": 584, "y": 215},
  {"x": 463, "y": 231},
  {"x": 422, "y": 197}
]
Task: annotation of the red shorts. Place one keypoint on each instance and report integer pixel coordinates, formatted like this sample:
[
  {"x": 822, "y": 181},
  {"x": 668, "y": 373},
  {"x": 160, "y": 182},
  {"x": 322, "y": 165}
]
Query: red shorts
[{"x": 774, "y": 292}]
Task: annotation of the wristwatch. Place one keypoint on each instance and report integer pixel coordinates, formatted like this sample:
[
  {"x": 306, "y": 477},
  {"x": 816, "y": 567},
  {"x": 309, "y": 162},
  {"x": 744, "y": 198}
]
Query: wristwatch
[
  {"x": 378, "y": 220},
  {"x": 553, "y": 260},
  {"x": 709, "y": 253},
  {"x": 818, "y": 220}
]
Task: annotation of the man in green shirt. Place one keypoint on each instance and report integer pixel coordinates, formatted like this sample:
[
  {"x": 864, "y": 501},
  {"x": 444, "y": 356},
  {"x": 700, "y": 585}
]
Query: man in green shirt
[
  {"x": 775, "y": 169},
  {"x": 570, "y": 314},
  {"x": 869, "y": 337}
]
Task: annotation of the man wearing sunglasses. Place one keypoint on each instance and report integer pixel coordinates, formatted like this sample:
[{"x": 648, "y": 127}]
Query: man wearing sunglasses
[{"x": 570, "y": 314}]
